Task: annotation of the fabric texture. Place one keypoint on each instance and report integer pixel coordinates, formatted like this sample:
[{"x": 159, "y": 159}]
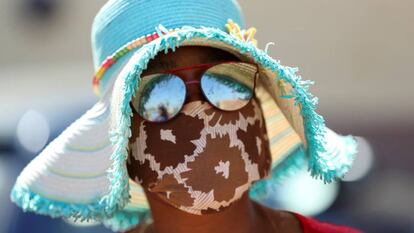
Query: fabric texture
[
  {"x": 83, "y": 172},
  {"x": 205, "y": 169}
]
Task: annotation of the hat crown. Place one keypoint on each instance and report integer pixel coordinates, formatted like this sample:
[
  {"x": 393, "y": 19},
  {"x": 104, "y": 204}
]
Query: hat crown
[{"x": 120, "y": 21}]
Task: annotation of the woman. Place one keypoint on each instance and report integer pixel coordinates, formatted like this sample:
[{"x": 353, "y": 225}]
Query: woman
[{"x": 179, "y": 141}]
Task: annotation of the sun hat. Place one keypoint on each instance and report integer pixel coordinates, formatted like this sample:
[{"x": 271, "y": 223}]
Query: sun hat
[{"x": 82, "y": 173}]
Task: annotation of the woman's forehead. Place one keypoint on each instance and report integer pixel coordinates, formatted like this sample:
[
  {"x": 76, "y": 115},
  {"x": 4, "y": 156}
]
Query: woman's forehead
[{"x": 187, "y": 56}]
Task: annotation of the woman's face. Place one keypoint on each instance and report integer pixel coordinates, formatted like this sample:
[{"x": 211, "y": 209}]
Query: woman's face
[{"x": 203, "y": 159}]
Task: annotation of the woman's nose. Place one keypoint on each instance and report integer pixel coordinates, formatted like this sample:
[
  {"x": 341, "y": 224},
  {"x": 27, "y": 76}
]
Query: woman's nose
[{"x": 192, "y": 80}]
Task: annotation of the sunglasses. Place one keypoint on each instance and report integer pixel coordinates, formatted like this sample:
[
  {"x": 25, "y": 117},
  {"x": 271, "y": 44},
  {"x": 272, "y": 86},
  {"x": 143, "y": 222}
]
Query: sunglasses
[{"x": 228, "y": 86}]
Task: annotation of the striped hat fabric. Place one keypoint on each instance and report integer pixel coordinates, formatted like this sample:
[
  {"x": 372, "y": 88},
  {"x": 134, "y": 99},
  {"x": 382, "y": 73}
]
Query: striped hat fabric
[{"x": 82, "y": 173}]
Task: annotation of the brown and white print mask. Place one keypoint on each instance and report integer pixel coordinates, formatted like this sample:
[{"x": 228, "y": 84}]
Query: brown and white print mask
[{"x": 202, "y": 160}]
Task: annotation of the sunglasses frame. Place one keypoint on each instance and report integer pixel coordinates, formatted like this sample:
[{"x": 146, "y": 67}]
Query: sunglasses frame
[{"x": 206, "y": 67}]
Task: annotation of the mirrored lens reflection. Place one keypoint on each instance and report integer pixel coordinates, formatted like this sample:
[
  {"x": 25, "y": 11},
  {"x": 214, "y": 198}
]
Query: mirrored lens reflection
[
  {"x": 226, "y": 93},
  {"x": 162, "y": 97}
]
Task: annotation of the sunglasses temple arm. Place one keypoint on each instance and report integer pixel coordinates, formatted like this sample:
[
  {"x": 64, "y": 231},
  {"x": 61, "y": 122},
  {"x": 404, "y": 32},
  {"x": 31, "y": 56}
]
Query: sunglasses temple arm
[{"x": 255, "y": 78}]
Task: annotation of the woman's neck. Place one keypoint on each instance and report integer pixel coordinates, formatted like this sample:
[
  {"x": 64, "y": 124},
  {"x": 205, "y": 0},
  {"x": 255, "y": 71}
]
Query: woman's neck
[{"x": 240, "y": 217}]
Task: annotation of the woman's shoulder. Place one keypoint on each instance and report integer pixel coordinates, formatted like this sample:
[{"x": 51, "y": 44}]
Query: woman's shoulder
[
  {"x": 311, "y": 225},
  {"x": 285, "y": 219}
]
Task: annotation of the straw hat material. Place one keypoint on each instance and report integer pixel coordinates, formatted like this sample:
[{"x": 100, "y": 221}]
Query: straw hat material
[{"x": 82, "y": 173}]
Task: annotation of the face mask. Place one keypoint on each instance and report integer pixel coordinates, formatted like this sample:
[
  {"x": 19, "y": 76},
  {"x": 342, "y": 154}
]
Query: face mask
[{"x": 204, "y": 159}]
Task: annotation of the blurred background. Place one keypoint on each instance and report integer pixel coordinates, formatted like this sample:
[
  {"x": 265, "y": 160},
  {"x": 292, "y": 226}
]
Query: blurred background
[{"x": 358, "y": 52}]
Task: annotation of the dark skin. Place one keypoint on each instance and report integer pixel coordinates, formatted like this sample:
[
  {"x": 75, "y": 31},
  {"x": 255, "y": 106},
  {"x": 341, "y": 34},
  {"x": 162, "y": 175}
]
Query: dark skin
[{"x": 243, "y": 215}]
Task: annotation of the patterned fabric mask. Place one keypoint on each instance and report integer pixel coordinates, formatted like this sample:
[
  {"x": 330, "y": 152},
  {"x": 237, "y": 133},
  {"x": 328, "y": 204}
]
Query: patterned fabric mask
[{"x": 204, "y": 159}]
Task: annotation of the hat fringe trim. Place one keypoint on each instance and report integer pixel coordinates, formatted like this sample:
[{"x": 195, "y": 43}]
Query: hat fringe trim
[
  {"x": 332, "y": 165},
  {"x": 126, "y": 220},
  {"x": 30, "y": 201},
  {"x": 121, "y": 220}
]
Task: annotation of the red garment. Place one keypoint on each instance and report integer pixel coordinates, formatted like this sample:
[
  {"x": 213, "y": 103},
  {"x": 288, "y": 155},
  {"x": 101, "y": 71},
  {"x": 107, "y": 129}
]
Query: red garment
[{"x": 310, "y": 225}]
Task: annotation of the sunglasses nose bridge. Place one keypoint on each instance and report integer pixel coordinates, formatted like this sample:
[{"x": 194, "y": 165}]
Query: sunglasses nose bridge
[
  {"x": 190, "y": 75},
  {"x": 192, "y": 80},
  {"x": 194, "y": 92}
]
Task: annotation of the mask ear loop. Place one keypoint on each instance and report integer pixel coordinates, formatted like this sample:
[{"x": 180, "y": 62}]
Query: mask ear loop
[
  {"x": 132, "y": 108},
  {"x": 256, "y": 75}
]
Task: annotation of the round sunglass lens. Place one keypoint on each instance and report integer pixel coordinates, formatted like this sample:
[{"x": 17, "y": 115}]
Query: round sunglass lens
[
  {"x": 161, "y": 97},
  {"x": 228, "y": 87}
]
